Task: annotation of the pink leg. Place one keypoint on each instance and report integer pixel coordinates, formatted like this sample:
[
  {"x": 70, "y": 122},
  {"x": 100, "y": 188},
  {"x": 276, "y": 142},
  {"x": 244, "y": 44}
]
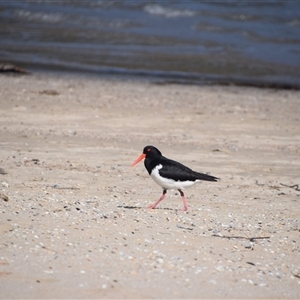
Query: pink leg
[
  {"x": 185, "y": 206},
  {"x": 160, "y": 199}
]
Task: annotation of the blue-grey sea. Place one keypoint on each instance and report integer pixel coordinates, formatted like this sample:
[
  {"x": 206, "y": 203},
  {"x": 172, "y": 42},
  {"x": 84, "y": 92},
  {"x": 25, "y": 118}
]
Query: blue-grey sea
[{"x": 242, "y": 41}]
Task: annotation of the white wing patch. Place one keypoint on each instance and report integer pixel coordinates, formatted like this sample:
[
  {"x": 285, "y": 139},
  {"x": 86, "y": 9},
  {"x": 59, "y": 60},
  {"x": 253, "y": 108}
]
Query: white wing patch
[{"x": 168, "y": 183}]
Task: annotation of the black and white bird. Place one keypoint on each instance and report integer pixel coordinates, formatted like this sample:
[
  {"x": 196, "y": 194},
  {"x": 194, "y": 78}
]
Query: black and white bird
[{"x": 169, "y": 174}]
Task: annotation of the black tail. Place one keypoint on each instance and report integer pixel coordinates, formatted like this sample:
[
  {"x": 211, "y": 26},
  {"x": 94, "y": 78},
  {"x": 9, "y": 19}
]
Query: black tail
[{"x": 206, "y": 177}]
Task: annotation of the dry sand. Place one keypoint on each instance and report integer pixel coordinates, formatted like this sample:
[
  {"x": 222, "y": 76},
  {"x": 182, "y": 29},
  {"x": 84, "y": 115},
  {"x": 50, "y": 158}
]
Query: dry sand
[{"x": 75, "y": 223}]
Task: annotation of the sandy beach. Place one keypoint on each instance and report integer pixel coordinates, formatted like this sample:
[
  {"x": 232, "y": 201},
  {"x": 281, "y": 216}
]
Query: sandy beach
[{"x": 74, "y": 222}]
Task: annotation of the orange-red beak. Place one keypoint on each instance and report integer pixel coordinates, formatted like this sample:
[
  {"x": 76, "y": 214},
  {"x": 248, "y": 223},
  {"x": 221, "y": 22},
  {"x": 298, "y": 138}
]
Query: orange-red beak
[{"x": 142, "y": 156}]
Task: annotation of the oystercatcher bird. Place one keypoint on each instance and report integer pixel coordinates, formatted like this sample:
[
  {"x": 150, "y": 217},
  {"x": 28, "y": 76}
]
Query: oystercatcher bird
[{"x": 169, "y": 174}]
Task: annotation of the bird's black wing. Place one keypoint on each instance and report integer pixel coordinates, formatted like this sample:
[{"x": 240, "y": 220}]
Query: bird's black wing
[{"x": 179, "y": 172}]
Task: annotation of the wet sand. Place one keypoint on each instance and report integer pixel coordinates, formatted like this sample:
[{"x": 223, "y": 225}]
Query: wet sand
[{"x": 74, "y": 222}]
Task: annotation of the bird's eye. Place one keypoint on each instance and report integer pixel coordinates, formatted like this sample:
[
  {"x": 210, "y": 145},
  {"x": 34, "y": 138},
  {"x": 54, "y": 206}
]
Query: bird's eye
[{"x": 148, "y": 150}]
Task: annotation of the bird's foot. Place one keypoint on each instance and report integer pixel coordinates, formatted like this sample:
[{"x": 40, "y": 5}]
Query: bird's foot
[
  {"x": 151, "y": 206},
  {"x": 185, "y": 208}
]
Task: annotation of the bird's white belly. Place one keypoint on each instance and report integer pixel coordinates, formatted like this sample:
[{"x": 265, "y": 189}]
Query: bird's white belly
[{"x": 168, "y": 183}]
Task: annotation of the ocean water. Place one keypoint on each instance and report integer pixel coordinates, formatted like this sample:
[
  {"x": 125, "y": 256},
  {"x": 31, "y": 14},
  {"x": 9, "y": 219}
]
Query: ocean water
[{"x": 245, "y": 41}]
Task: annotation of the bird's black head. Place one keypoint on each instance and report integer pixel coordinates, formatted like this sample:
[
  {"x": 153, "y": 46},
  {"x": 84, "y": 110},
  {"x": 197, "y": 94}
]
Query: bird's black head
[{"x": 151, "y": 151}]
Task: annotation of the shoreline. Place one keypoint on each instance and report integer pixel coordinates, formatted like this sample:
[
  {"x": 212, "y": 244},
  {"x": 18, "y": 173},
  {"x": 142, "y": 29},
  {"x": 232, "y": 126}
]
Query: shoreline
[
  {"x": 157, "y": 76},
  {"x": 75, "y": 223}
]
